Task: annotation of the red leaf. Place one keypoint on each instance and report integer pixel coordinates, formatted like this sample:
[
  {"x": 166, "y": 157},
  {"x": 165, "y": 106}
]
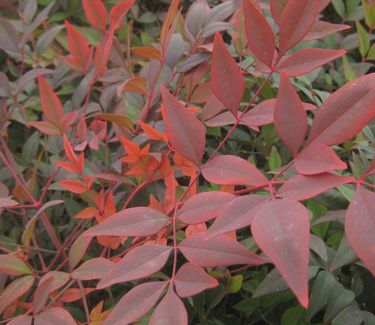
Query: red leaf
[
  {"x": 191, "y": 280},
  {"x": 78, "y": 250},
  {"x": 322, "y": 29},
  {"x": 306, "y": 60},
  {"x": 360, "y": 227},
  {"x": 95, "y": 268},
  {"x": 296, "y": 21},
  {"x": 55, "y": 315},
  {"x": 79, "y": 48},
  {"x": 118, "y": 13},
  {"x": 302, "y": 187},
  {"x": 237, "y": 214},
  {"x": 345, "y": 112},
  {"x": 185, "y": 132},
  {"x": 227, "y": 82},
  {"x": 21, "y": 320},
  {"x": 102, "y": 52},
  {"x": 232, "y": 170},
  {"x": 259, "y": 34},
  {"x": 170, "y": 311},
  {"x": 277, "y": 7},
  {"x": 6, "y": 202},
  {"x": 59, "y": 279},
  {"x": 140, "y": 221},
  {"x": 10, "y": 264},
  {"x": 96, "y": 13},
  {"x": 74, "y": 186},
  {"x": 203, "y": 207},
  {"x": 137, "y": 302},
  {"x": 290, "y": 116},
  {"x": 281, "y": 228},
  {"x": 69, "y": 151},
  {"x": 263, "y": 113},
  {"x": 51, "y": 105},
  {"x": 14, "y": 290},
  {"x": 41, "y": 294},
  {"x": 217, "y": 251},
  {"x": 138, "y": 263},
  {"x": 316, "y": 159}
]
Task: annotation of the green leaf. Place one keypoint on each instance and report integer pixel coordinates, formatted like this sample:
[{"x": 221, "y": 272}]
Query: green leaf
[
  {"x": 293, "y": 316},
  {"x": 364, "y": 41},
  {"x": 350, "y": 315},
  {"x": 339, "y": 7},
  {"x": 348, "y": 70},
  {"x": 274, "y": 159},
  {"x": 371, "y": 53},
  {"x": 320, "y": 292},
  {"x": 234, "y": 283},
  {"x": 369, "y": 9},
  {"x": 339, "y": 299},
  {"x": 248, "y": 305}
]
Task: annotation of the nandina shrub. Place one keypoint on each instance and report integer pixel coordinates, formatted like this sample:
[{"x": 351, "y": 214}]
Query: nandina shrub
[{"x": 179, "y": 170}]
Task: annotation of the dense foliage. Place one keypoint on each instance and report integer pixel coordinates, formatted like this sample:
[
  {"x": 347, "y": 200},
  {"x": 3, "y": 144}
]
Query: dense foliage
[{"x": 175, "y": 162}]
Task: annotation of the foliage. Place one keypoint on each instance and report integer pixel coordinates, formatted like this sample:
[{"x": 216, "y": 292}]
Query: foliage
[{"x": 193, "y": 162}]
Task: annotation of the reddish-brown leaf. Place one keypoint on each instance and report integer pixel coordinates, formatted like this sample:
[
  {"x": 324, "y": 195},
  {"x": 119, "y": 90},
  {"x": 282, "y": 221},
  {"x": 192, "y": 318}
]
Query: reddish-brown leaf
[
  {"x": 303, "y": 187},
  {"x": 118, "y": 13},
  {"x": 170, "y": 311},
  {"x": 345, "y": 112},
  {"x": 203, "y": 207},
  {"x": 51, "y": 105},
  {"x": 79, "y": 48},
  {"x": 322, "y": 29},
  {"x": 138, "y": 263},
  {"x": 296, "y": 21},
  {"x": 168, "y": 21},
  {"x": 227, "y": 81},
  {"x": 55, "y": 315},
  {"x": 46, "y": 127},
  {"x": 192, "y": 279},
  {"x": 259, "y": 34},
  {"x": 281, "y": 228},
  {"x": 232, "y": 170},
  {"x": 217, "y": 251},
  {"x": 96, "y": 13},
  {"x": 15, "y": 290},
  {"x": 185, "y": 132},
  {"x": 137, "y": 302},
  {"x": 95, "y": 268},
  {"x": 147, "y": 52},
  {"x": 316, "y": 159},
  {"x": 360, "y": 227},
  {"x": 307, "y": 60},
  {"x": 237, "y": 214},
  {"x": 140, "y": 221},
  {"x": 290, "y": 116}
]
